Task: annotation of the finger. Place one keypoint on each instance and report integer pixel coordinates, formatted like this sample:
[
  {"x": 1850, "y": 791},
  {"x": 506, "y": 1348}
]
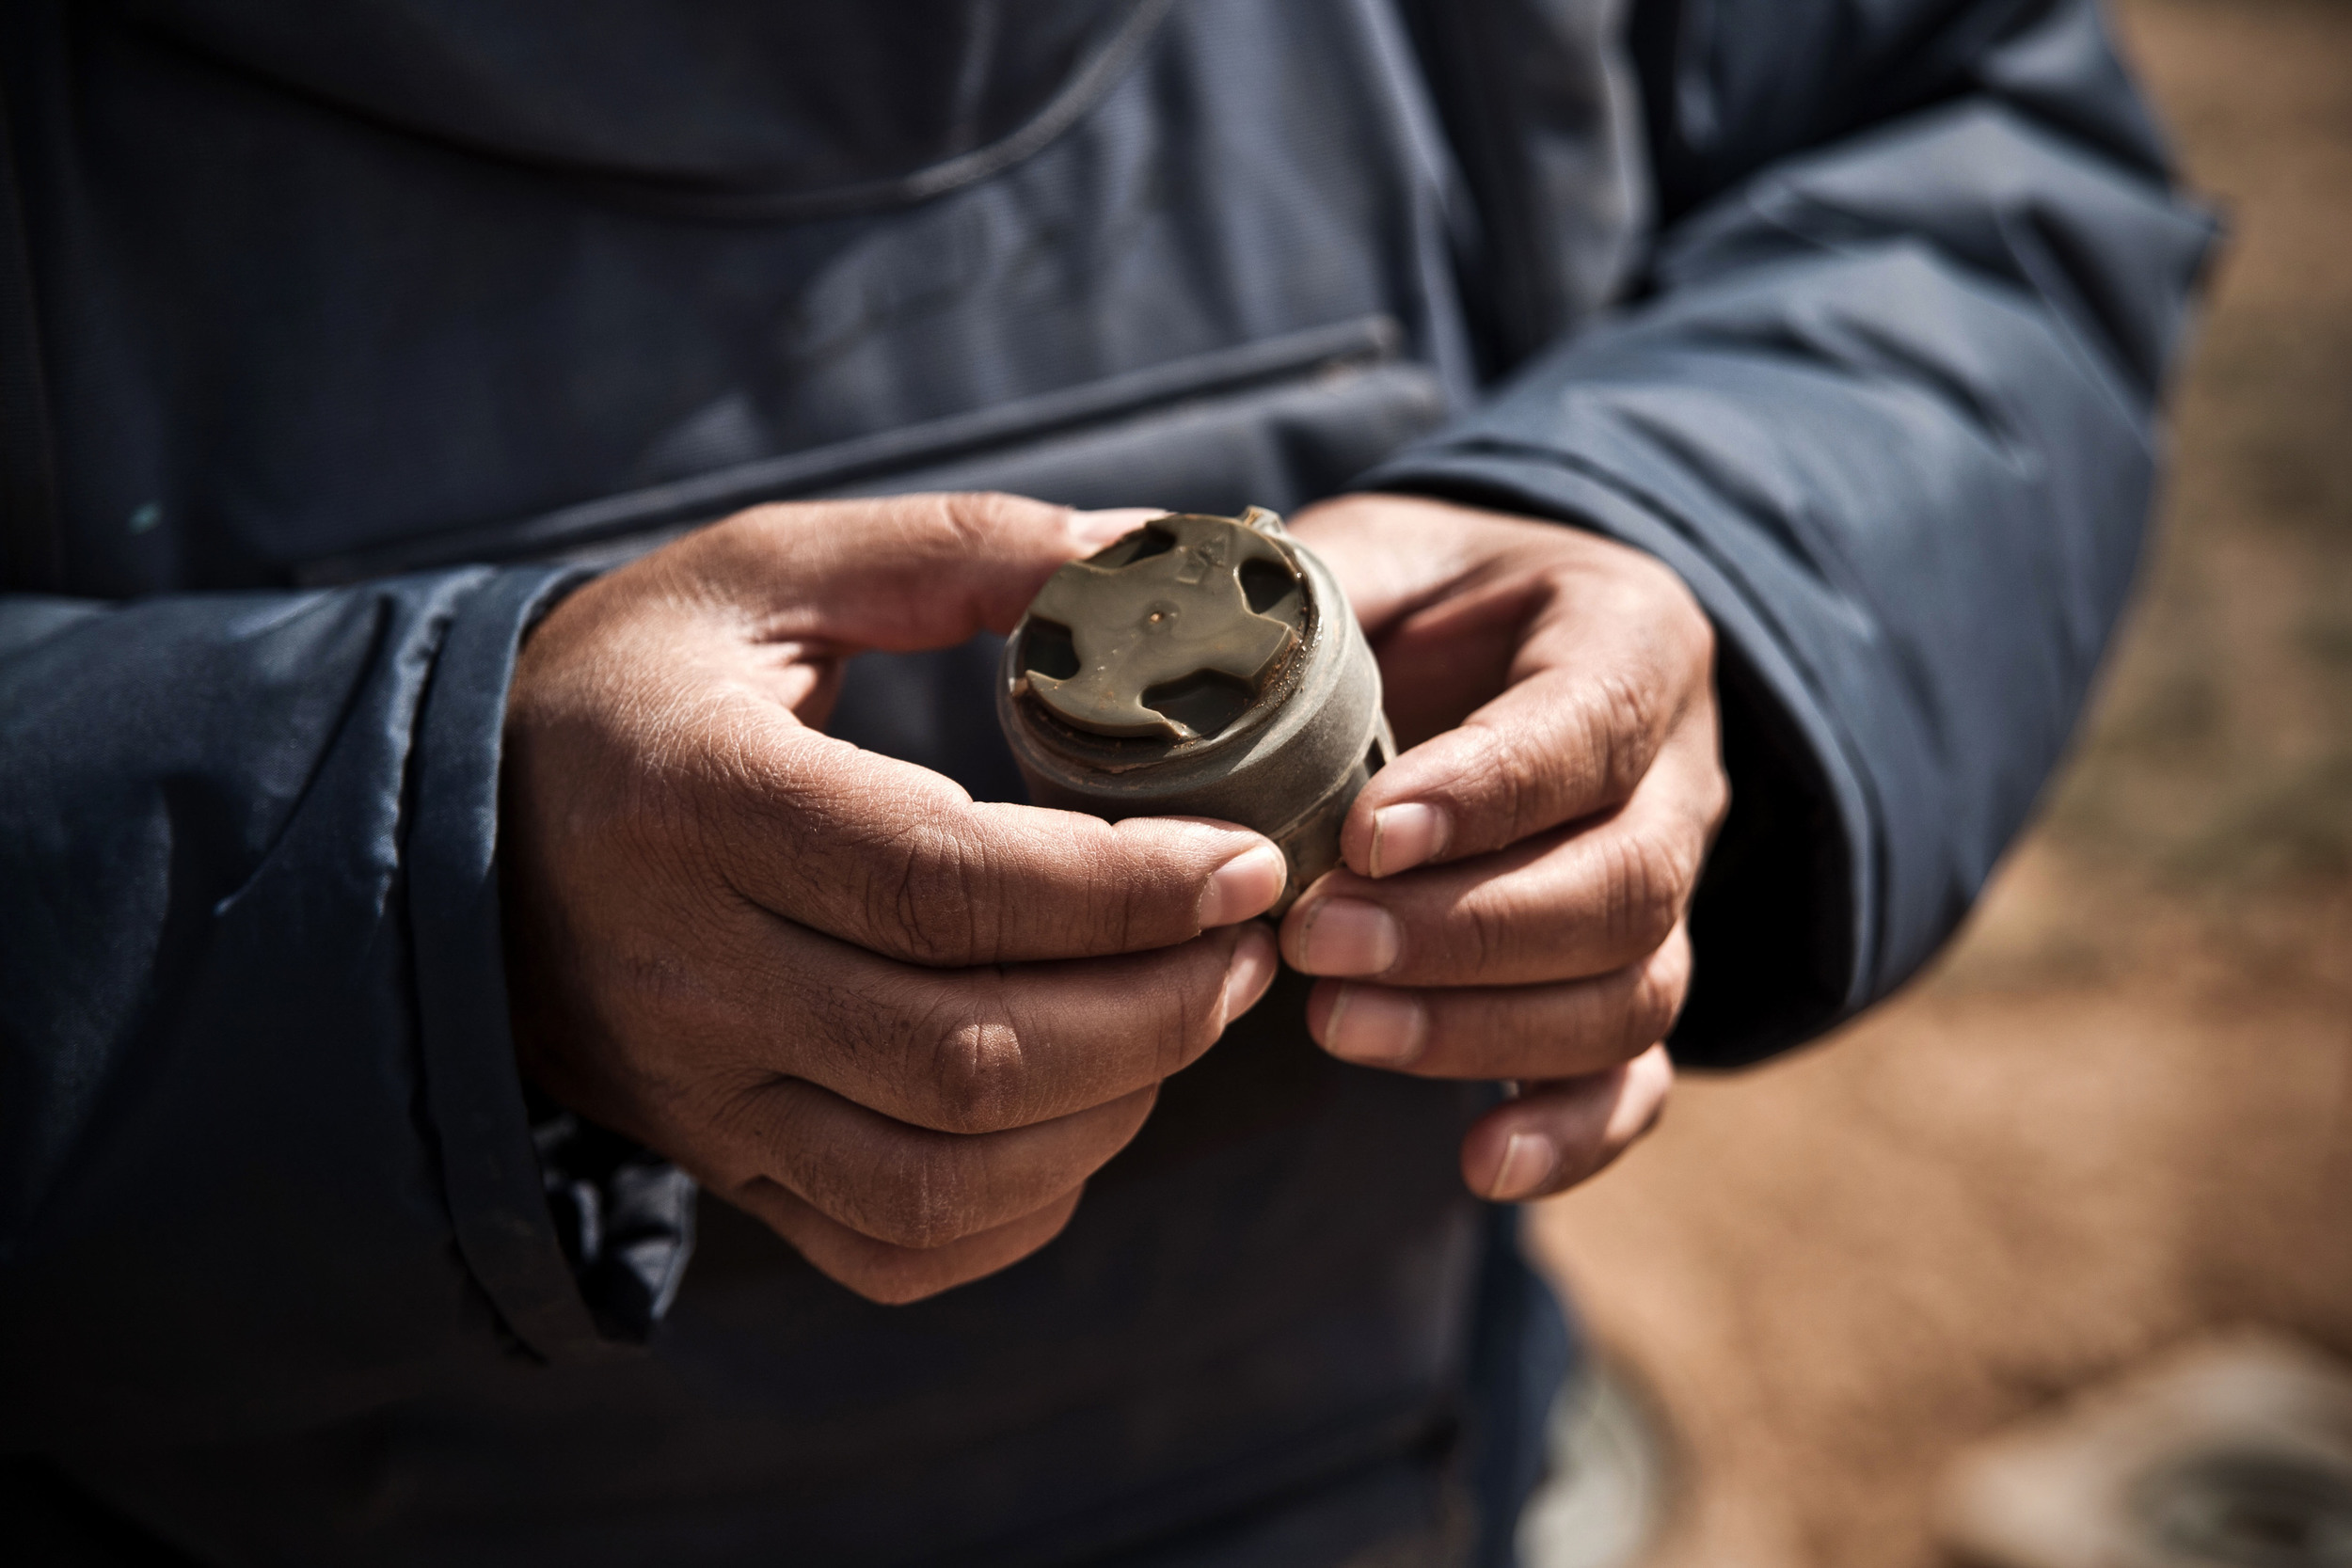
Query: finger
[
  {"x": 1557, "y": 1134},
  {"x": 1600, "y": 682},
  {"x": 899, "y": 573},
  {"x": 900, "y": 860},
  {"x": 974, "y": 1050},
  {"x": 1566, "y": 905},
  {"x": 869, "y": 848},
  {"x": 907, "y": 1185},
  {"x": 1554, "y": 1031},
  {"x": 895, "y": 1275}
]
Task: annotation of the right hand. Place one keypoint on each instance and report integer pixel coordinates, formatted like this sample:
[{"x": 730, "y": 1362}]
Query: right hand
[{"x": 900, "y": 1027}]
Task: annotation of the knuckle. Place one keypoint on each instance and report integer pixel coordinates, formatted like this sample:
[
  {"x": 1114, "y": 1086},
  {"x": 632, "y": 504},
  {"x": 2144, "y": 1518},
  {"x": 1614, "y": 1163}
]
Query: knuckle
[
  {"x": 1698, "y": 633},
  {"x": 976, "y": 518},
  {"x": 1694, "y": 632},
  {"x": 1140, "y": 908},
  {"x": 922, "y": 1198},
  {"x": 976, "y": 1074},
  {"x": 1658, "y": 998},
  {"x": 1486, "y": 936},
  {"x": 1506, "y": 777},
  {"x": 1664, "y": 599},
  {"x": 1108, "y": 913},
  {"x": 1195, "y": 1020},
  {"x": 1622, "y": 714},
  {"x": 967, "y": 515},
  {"x": 1647, "y": 883},
  {"x": 1128, "y": 896},
  {"x": 1715, "y": 799},
  {"x": 925, "y": 901}
]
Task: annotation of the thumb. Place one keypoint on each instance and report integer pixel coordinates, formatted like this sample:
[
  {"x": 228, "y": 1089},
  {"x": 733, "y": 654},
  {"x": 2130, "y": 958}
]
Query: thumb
[{"x": 895, "y": 573}]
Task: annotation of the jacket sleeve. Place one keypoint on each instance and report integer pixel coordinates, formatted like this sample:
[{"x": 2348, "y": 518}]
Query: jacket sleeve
[
  {"x": 264, "y": 1151},
  {"x": 1887, "y": 400}
]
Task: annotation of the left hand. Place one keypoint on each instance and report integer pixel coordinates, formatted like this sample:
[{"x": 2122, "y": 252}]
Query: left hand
[{"x": 1512, "y": 900}]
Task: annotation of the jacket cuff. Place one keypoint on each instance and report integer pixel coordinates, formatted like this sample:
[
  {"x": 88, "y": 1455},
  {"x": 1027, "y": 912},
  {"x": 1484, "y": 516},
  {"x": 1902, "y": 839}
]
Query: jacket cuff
[{"x": 473, "y": 1090}]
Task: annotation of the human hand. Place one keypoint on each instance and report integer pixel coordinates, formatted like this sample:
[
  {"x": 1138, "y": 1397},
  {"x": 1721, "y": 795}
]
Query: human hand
[
  {"x": 898, "y": 1026},
  {"x": 1513, "y": 896}
]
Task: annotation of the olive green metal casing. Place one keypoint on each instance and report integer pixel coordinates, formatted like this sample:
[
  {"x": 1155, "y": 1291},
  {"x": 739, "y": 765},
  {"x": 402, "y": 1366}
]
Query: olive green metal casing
[{"x": 1198, "y": 667}]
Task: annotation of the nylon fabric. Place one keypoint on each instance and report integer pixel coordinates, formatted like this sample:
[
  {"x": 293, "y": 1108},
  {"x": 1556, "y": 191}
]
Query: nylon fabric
[{"x": 1856, "y": 314}]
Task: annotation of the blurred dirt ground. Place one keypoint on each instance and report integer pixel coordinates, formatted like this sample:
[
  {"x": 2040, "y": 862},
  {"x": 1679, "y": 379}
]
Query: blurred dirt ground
[{"x": 2120, "y": 1110}]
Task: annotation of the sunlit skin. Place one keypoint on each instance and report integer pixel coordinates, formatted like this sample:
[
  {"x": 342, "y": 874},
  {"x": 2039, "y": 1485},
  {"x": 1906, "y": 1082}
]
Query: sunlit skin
[{"x": 903, "y": 1028}]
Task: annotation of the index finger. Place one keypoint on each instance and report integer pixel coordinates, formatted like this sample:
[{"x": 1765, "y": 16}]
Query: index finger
[
  {"x": 980, "y": 1051},
  {"x": 1594, "y": 697},
  {"x": 902, "y": 862},
  {"x": 902, "y": 573}
]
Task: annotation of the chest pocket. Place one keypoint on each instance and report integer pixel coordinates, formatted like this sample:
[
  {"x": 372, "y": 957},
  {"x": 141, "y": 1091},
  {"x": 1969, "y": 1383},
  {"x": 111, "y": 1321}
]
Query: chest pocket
[{"x": 1275, "y": 423}]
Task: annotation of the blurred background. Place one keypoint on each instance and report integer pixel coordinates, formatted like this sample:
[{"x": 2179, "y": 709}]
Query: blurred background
[{"x": 2118, "y": 1113}]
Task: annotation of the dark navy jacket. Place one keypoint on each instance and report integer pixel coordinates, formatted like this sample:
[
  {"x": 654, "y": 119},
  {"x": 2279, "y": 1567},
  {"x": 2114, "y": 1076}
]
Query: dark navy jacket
[{"x": 329, "y": 333}]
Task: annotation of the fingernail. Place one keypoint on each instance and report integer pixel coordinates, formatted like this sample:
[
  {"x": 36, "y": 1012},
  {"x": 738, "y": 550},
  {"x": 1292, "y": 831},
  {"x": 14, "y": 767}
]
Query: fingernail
[
  {"x": 1375, "y": 1026},
  {"x": 1405, "y": 836},
  {"x": 1348, "y": 936},
  {"x": 1243, "y": 886},
  {"x": 1094, "y": 529},
  {"x": 1250, "y": 972},
  {"x": 1527, "y": 1164}
]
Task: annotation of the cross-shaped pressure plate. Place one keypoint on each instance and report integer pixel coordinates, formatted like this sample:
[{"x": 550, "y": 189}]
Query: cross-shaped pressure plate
[{"x": 1146, "y": 615}]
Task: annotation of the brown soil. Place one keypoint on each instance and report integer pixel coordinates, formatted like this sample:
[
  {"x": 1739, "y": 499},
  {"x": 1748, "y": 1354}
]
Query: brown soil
[{"x": 2120, "y": 1110}]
